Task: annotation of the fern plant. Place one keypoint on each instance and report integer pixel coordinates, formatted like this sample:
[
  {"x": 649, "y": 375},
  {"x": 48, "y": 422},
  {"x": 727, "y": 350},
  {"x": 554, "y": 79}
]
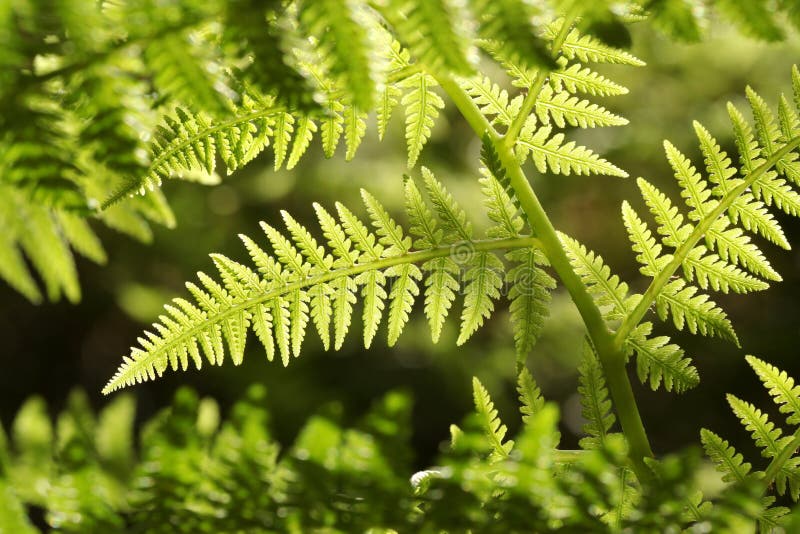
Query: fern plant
[{"x": 100, "y": 123}]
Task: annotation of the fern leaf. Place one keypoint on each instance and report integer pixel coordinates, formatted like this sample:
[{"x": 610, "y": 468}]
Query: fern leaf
[
  {"x": 345, "y": 42},
  {"x": 422, "y": 106},
  {"x": 781, "y": 387},
  {"x": 577, "y": 78},
  {"x": 493, "y": 427},
  {"x": 647, "y": 249},
  {"x": 693, "y": 188},
  {"x": 440, "y": 292},
  {"x": 596, "y": 406},
  {"x": 561, "y": 158},
  {"x": 491, "y": 100},
  {"x": 564, "y": 109},
  {"x": 529, "y": 293},
  {"x": 530, "y": 396},
  {"x": 658, "y": 360},
  {"x": 589, "y": 49},
  {"x": 766, "y": 436},
  {"x": 710, "y": 271},
  {"x": 355, "y": 127},
  {"x": 669, "y": 219},
  {"x": 610, "y": 293},
  {"x": 694, "y": 310},
  {"x": 730, "y": 463},
  {"x": 331, "y": 128},
  {"x": 302, "y": 140},
  {"x": 453, "y": 217},
  {"x": 483, "y": 282},
  {"x": 501, "y": 209},
  {"x": 283, "y": 129},
  {"x": 390, "y": 97}
]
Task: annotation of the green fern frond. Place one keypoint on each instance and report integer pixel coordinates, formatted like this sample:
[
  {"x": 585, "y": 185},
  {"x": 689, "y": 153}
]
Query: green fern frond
[
  {"x": 780, "y": 386},
  {"x": 422, "y": 106},
  {"x": 596, "y": 406},
  {"x": 589, "y": 49},
  {"x": 530, "y": 296},
  {"x": 561, "y": 158},
  {"x": 766, "y": 435},
  {"x": 564, "y": 109},
  {"x": 727, "y": 461},
  {"x": 659, "y": 360},
  {"x": 492, "y": 100},
  {"x": 493, "y": 427},
  {"x": 578, "y": 78},
  {"x": 304, "y": 281},
  {"x": 530, "y": 396}
]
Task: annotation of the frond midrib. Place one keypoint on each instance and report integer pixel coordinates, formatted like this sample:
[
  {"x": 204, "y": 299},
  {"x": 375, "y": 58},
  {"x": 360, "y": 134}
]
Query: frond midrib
[
  {"x": 703, "y": 226},
  {"x": 135, "y": 367}
]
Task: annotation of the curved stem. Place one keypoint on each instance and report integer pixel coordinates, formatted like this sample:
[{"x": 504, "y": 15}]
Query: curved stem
[
  {"x": 663, "y": 277},
  {"x": 612, "y": 360}
]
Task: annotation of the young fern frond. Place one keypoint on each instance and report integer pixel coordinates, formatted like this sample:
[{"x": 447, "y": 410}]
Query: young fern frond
[
  {"x": 596, "y": 406},
  {"x": 493, "y": 427},
  {"x": 530, "y": 396},
  {"x": 303, "y": 281},
  {"x": 783, "y": 469}
]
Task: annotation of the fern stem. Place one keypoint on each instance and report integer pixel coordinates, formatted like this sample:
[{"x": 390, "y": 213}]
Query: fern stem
[
  {"x": 664, "y": 276},
  {"x": 538, "y": 82},
  {"x": 780, "y": 460},
  {"x": 612, "y": 360},
  {"x": 383, "y": 263}
]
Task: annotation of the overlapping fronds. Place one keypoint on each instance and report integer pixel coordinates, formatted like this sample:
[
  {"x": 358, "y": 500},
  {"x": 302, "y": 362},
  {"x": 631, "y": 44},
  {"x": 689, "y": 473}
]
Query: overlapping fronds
[
  {"x": 783, "y": 469},
  {"x": 303, "y": 282}
]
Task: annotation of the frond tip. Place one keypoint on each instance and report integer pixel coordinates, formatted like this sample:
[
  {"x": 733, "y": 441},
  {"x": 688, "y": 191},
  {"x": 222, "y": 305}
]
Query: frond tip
[{"x": 303, "y": 282}]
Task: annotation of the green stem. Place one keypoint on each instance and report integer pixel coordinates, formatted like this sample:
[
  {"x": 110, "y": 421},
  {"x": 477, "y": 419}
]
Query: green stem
[
  {"x": 664, "y": 276},
  {"x": 612, "y": 360}
]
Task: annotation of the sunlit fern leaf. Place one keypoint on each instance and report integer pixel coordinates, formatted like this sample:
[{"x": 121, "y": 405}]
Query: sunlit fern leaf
[
  {"x": 422, "y": 106},
  {"x": 283, "y": 127},
  {"x": 493, "y": 427},
  {"x": 502, "y": 210},
  {"x": 696, "y": 311},
  {"x": 304, "y": 133},
  {"x": 530, "y": 396},
  {"x": 659, "y": 360},
  {"x": 551, "y": 152},
  {"x": 355, "y": 127},
  {"x": 331, "y": 128},
  {"x": 752, "y": 213},
  {"x": 610, "y": 293},
  {"x": 589, "y": 49},
  {"x": 188, "y": 144},
  {"x": 529, "y": 292},
  {"x": 492, "y": 100},
  {"x": 727, "y": 461},
  {"x": 766, "y": 435},
  {"x": 595, "y": 404},
  {"x": 436, "y": 32},
  {"x": 186, "y": 71},
  {"x": 578, "y": 78},
  {"x": 780, "y": 386},
  {"x": 345, "y": 41},
  {"x": 303, "y": 280},
  {"x": 564, "y": 109}
]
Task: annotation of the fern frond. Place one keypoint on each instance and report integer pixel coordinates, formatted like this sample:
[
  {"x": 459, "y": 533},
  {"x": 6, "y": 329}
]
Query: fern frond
[
  {"x": 658, "y": 360},
  {"x": 578, "y": 78},
  {"x": 780, "y": 386},
  {"x": 561, "y": 158},
  {"x": 694, "y": 310},
  {"x": 303, "y": 280},
  {"x": 422, "y": 106},
  {"x": 529, "y": 293},
  {"x": 589, "y": 49},
  {"x": 492, "y": 100},
  {"x": 563, "y": 109},
  {"x": 765, "y": 434},
  {"x": 596, "y": 406},
  {"x": 530, "y": 396},
  {"x": 727, "y": 461},
  {"x": 493, "y": 427}
]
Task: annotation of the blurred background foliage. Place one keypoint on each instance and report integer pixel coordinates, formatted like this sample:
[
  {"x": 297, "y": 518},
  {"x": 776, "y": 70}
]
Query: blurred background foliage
[{"x": 52, "y": 348}]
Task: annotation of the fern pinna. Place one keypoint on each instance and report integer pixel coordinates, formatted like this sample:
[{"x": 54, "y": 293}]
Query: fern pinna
[{"x": 303, "y": 282}]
